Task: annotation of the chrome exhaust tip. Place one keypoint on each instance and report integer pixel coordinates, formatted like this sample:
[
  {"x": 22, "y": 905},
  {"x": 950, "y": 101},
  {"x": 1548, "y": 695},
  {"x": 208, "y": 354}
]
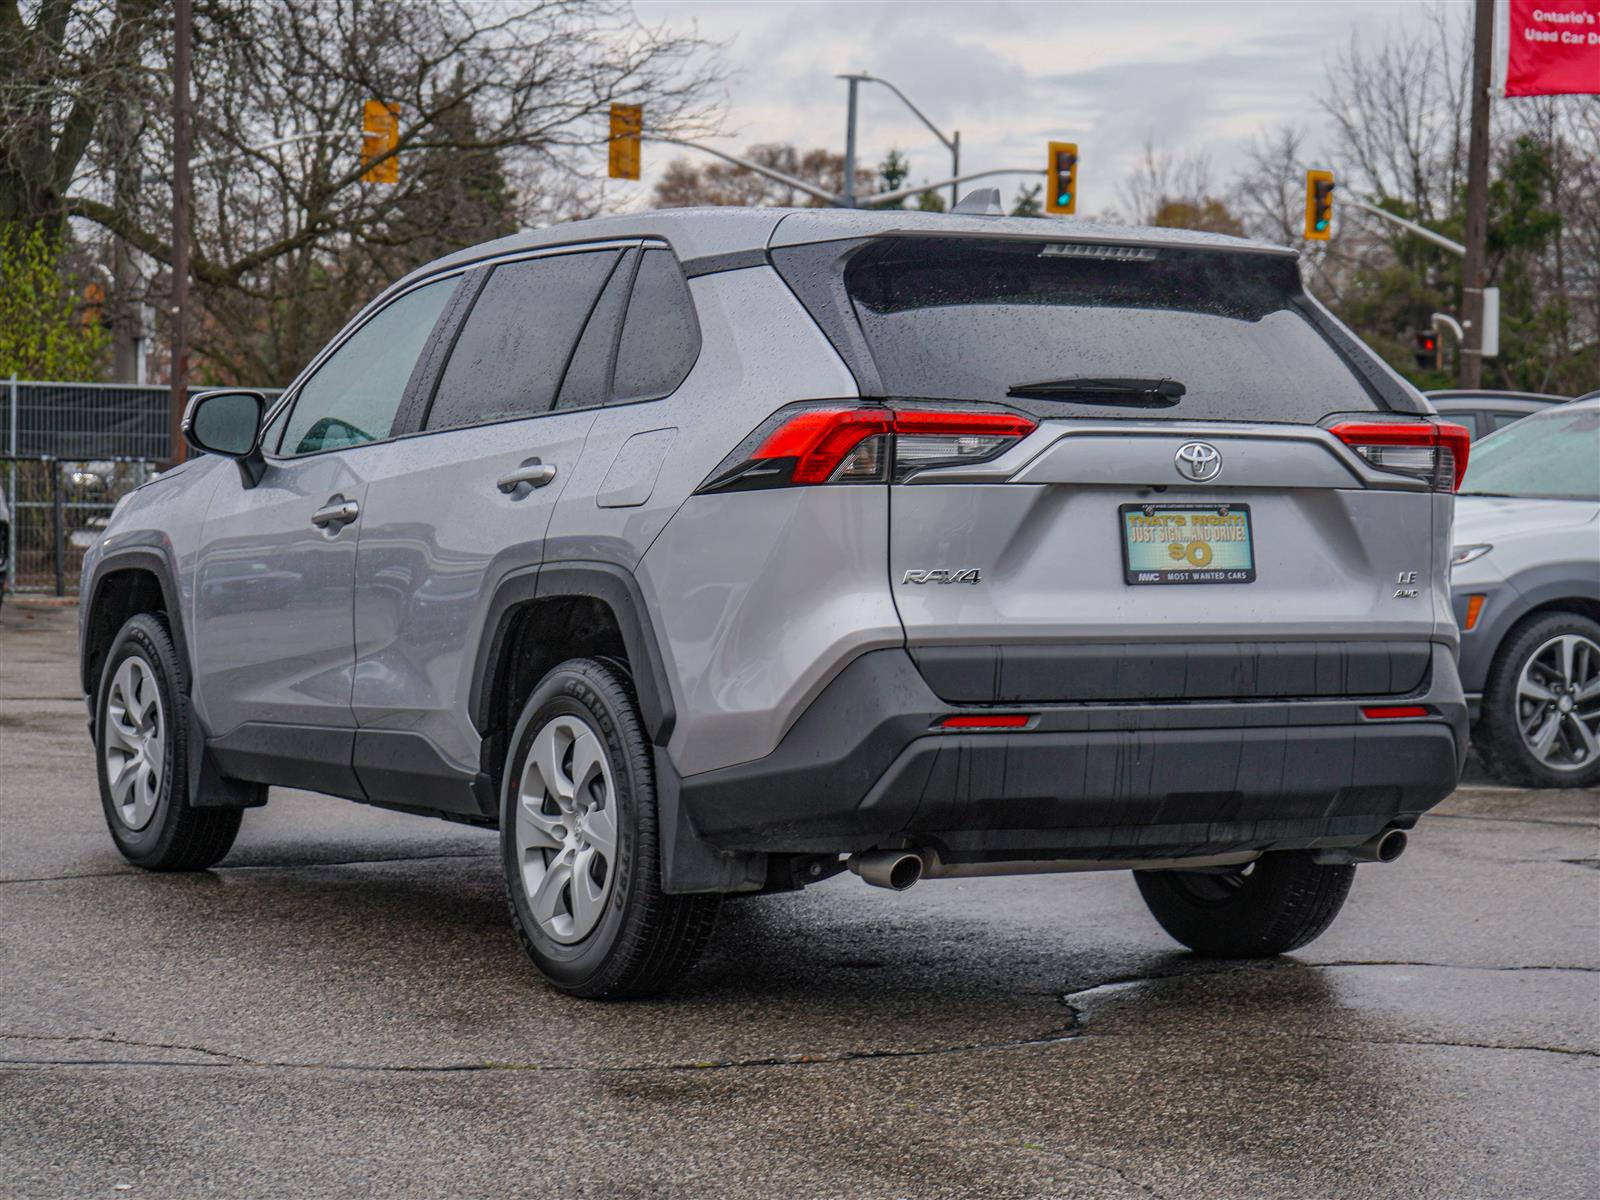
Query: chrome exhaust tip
[
  {"x": 1388, "y": 845},
  {"x": 1385, "y": 848},
  {"x": 893, "y": 869}
]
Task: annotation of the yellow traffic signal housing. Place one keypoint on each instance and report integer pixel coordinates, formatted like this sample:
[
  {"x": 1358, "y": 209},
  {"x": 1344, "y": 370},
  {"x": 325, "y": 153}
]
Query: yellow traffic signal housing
[
  {"x": 380, "y": 134},
  {"x": 627, "y": 123},
  {"x": 1061, "y": 178},
  {"x": 1319, "y": 205}
]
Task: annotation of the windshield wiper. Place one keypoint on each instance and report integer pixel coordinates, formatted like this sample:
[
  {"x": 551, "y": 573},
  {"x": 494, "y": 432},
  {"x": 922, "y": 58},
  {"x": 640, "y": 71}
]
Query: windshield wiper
[{"x": 1137, "y": 393}]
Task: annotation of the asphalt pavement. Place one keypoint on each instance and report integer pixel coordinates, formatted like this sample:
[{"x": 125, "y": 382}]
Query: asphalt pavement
[{"x": 341, "y": 1009}]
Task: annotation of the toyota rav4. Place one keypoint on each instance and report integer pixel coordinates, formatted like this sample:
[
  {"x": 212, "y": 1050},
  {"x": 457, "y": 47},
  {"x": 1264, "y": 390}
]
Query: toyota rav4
[{"x": 709, "y": 552}]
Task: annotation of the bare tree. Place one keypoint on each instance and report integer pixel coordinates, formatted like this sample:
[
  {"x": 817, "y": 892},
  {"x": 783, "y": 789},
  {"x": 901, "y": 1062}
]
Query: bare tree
[
  {"x": 1400, "y": 112},
  {"x": 502, "y": 117},
  {"x": 685, "y": 183},
  {"x": 67, "y": 64},
  {"x": 1162, "y": 177}
]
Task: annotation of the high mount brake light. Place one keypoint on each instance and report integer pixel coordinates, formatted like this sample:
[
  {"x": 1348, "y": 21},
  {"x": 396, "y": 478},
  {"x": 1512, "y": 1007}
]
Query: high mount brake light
[
  {"x": 808, "y": 444},
  {"x": 1435, "y": 454}
]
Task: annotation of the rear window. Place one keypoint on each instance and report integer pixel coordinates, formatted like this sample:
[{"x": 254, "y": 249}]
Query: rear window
[{"x": 972, "y": 319}]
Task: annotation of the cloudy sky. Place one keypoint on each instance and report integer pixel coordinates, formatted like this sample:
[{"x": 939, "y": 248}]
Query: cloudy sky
[{"x": 1011, "y": 75}]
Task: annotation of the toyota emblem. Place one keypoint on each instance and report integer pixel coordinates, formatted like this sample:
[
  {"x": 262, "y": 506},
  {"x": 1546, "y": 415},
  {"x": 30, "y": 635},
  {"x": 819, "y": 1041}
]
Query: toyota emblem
[{"x": 1199, "y": 461}]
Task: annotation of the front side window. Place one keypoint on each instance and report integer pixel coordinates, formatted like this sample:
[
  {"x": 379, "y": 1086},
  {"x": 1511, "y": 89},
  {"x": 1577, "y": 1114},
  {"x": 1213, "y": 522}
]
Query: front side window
[
  {"x": 355, "y": 394},
  {"x": 513, "y": 350}
]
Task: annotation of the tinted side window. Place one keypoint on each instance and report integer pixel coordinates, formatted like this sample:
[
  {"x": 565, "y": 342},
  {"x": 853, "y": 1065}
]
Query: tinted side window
[
  {"x": 509, "y": 357},
  {"x": 588, "y": 380},
  {"x": 661, "y": 338},
  {"x": 1502, "y": 419},
  {"x": 355, "y": 394},
  {"x": 1469, "y": 419}
]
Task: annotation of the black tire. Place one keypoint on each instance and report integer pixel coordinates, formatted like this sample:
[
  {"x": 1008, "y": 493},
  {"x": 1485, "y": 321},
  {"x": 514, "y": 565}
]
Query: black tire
[
  {"x": 645, "y": 940},
  {"x": 1273, "y": 905},
  {"x": 175, "y": 837},
  {"x": 1498, "y": 736}
]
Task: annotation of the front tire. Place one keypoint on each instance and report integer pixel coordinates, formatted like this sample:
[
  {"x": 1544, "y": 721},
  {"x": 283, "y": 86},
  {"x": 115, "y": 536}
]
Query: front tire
[
  {"x": 142, "y": 756},
  {"x": 580, "y": 843},
  {"x": 1540, "y": 725},
  {"x": 1277, "y": 903}
]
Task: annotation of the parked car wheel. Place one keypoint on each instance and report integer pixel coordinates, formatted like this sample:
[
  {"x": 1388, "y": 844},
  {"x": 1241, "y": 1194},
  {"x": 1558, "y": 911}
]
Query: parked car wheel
[
  {"x": 1270, "y": 906},
  {"x": 581, "y": 847},
  {"x": 1540, "y": 725},
  {"x": 142, "y": 755}
]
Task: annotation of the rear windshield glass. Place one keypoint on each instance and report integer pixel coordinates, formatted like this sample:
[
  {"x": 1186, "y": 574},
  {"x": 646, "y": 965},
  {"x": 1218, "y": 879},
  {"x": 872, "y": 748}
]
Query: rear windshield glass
[
  {"x": 971, "y": 319},
  {"x": 1554, "y": 454}
]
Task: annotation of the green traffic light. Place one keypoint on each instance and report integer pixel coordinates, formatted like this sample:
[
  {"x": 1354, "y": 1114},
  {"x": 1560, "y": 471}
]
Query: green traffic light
[
  {"x": 1322, "y": 226},
  {"x": 1064, "y": 199}
]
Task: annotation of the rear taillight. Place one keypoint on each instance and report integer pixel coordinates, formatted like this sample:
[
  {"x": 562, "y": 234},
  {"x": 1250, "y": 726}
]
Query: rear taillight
[
  {"x": 1435, "y": 454},
  {"x": 811, "y": 444}
]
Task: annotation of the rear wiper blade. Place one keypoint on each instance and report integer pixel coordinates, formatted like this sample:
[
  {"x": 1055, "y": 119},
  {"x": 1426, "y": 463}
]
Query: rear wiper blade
[{"x": 1141, "y": 393}]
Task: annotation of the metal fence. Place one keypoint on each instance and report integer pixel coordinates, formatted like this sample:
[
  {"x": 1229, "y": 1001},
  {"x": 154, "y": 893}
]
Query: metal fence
[
  {"x": 58, "y": 508},
  {"x": 68, "y": 453}
]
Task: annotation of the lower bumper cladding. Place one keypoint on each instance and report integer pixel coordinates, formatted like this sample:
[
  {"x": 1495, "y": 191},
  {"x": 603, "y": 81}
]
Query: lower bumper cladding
[{"x": 879, "y": 761}]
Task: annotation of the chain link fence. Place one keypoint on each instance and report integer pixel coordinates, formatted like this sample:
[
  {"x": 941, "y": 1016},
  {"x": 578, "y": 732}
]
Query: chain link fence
[{"x": 68, "y": 453}]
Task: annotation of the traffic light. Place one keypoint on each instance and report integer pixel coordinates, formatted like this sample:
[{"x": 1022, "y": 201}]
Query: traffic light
[
  {"x": 380, "y": 134},
  {"x": 622, "y": 159},
  {"x": 1319, "y": 205},
  {"x": 1427, "y": 350},
  {"x": 1061, "y": 191}
]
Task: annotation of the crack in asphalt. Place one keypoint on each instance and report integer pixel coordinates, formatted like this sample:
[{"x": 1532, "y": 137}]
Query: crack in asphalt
[
  {"x": 1074, "y": 1029},
  {"x": 234, "y": 1061},
  {"x": 273, "y": 866},
  {"x": 1268, "y": 965}
]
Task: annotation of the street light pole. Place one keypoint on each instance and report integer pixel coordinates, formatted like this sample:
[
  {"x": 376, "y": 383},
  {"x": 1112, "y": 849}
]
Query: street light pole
[
  {"x": 183, "y": 21},
  {"x": 951, "y": 143},
  {"x": 849, "y": 188}
]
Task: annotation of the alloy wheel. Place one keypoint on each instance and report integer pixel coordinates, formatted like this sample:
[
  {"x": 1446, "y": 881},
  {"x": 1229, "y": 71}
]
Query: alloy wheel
[
  {"x": 1558, "y": 702},
  {"x": 566, "y": 829},
  {"x": 135, "y": 742}
]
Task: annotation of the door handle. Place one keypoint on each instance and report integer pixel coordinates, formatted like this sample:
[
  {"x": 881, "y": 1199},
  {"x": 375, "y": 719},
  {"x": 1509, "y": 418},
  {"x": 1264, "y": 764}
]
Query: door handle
[
  {"x": 533, "y": 473},
  {"x": 335, "y": 513}
]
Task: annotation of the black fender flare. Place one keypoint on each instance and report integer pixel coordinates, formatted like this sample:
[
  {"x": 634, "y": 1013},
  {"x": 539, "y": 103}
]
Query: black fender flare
[
  {"x": 1534, "y": 588},
  {"x": 612, "y": 585},
  {"x": 157, "y": 560}
]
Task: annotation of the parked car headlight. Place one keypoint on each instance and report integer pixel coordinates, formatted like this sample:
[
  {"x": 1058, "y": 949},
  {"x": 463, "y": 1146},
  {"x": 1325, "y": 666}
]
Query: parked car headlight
[{"x": 1466, "y": 554}]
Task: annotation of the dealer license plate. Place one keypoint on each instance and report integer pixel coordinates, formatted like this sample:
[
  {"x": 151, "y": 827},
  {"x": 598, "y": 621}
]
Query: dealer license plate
[{"x": 1187, "y": 543}]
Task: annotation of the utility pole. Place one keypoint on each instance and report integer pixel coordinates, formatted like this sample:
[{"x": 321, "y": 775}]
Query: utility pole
[
  {"x": 1470, "y": 372},
  {"x": 182, "y": 114}
]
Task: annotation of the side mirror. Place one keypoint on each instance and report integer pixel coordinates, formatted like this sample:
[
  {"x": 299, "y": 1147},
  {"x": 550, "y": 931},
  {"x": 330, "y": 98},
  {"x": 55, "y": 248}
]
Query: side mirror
[{"x": 228, "y": 423}]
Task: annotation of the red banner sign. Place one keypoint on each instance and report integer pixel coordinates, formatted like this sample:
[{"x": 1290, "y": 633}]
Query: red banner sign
[{"x": 1555, "y": 48}]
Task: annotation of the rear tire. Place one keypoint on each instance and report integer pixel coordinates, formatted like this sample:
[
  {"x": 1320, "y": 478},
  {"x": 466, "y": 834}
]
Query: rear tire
[
  {"x": 580, "y": 842},
  {"x": 142, "y": 757},
  {"x": 1532, "y": 656},
  {"x": 1277, "y": 903}
]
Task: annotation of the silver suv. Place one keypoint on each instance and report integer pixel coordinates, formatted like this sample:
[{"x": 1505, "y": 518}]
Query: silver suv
[{"x": 707, "y": 552}]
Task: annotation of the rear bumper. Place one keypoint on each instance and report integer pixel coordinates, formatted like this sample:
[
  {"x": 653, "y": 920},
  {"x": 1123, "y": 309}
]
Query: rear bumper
[{"x": 865, "y": 766}]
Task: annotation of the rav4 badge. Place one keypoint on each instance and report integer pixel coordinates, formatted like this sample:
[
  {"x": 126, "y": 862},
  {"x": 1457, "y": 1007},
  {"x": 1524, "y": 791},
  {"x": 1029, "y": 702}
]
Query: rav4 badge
[{"x": 943, "y": 575}]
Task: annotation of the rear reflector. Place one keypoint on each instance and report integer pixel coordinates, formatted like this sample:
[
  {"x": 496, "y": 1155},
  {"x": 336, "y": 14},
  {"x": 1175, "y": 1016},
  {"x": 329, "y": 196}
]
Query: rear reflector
[
  {"x": 1010, "y": 721},
  {"x": 811, "y": 444},
  {"x": 1394, "y": 712},
  {"x": 1435, "y": 454}
]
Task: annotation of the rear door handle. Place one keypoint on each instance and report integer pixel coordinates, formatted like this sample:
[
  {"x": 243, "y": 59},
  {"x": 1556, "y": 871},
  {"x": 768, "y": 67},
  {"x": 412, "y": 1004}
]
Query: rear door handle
[
  {"x": 335, "y": 513},
  {"x": 533, "y": 473}
]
